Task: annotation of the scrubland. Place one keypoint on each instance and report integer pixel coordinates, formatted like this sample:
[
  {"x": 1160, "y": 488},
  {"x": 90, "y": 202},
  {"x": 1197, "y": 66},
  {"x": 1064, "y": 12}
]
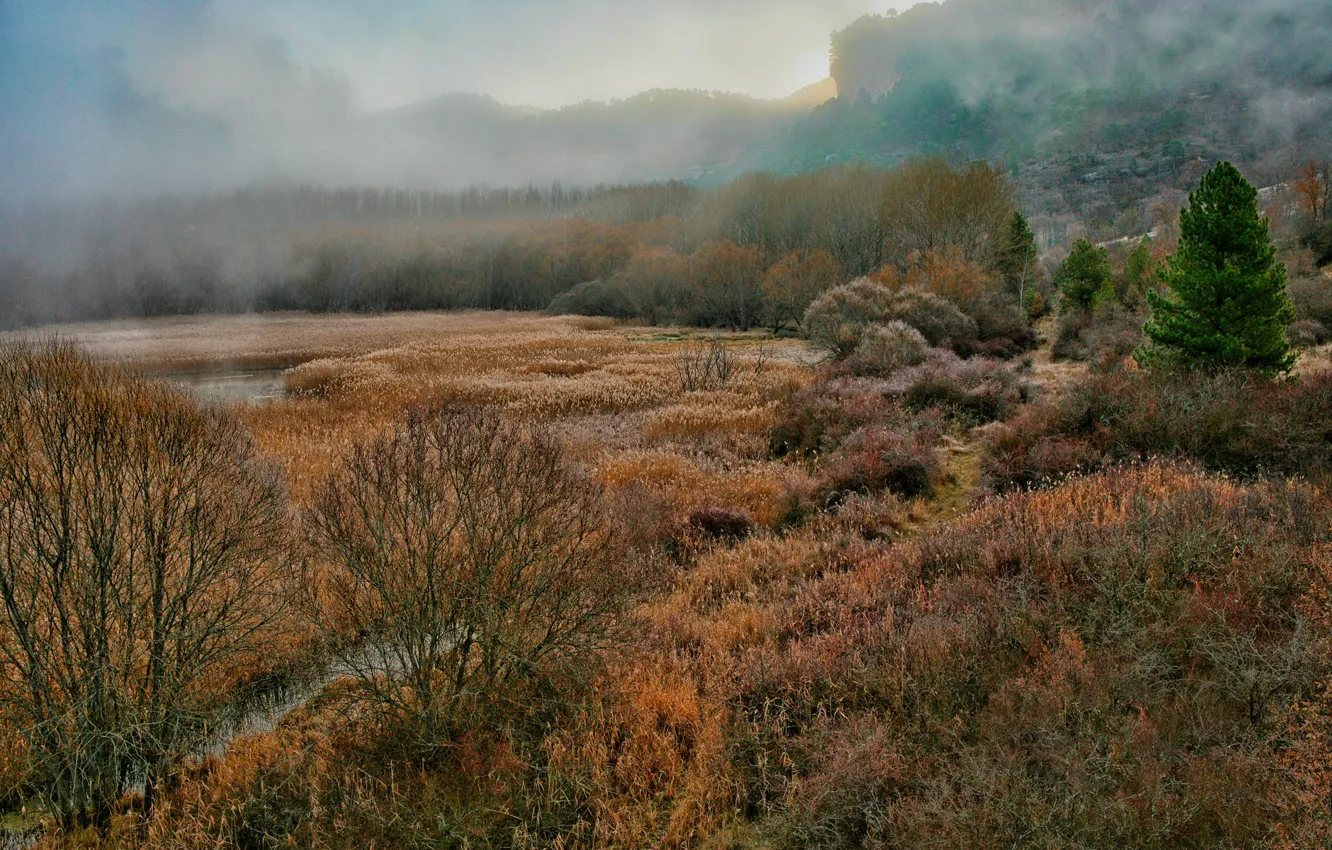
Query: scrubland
[
  {"x": 954, "y": 572},
  {"x": 853, "y": 607}
]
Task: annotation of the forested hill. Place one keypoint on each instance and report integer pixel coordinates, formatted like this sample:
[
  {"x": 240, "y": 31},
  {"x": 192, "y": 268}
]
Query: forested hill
[
  {"x": 657, "y": 135},
  {"x": 1090, "y": 101}
]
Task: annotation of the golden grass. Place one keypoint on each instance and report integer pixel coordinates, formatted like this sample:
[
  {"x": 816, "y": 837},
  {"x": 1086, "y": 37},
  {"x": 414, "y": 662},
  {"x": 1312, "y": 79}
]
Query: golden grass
[
  {"x": 611, "y": 391},
  {"x": 274, "y": 340},
  {"x": 648, "y": 764}
]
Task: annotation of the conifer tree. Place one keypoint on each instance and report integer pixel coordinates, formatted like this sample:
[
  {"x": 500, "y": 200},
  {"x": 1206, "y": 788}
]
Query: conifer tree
[
  {"x": 1082, "y": 278},
  {"x": 1226, "y": 303},
  {"x": 1139, "y": 275},
  {"x": 1019, "y": 261}
]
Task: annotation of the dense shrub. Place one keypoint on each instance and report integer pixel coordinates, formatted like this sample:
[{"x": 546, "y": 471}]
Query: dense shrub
[
  {"x": 1108, "y": 333},
  {"x": 1102, "y": 665},
  {"x": 837, "y": 320},
  {"x": 817, "y": 419},
  {"x": 974, "y": 391},
  {"x": 886, "y": 348},
  {"x": 938, "y": 319},
  {"x": 1312, "y": 297},
  {"x": 1318, "y": 239},
  {"x": 1307, "y": 333},
  {"x": 721, "y": 524},
  {"x": 1228, "y": 422},
  {"x": 1002, "y": 329},
  {"x": 903, "y": 462}
]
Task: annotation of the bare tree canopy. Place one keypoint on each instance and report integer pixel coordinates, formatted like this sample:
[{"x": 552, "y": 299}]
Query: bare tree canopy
[
  {"x": 459, "y": 556},
  {"x": 136, "y": 572}
]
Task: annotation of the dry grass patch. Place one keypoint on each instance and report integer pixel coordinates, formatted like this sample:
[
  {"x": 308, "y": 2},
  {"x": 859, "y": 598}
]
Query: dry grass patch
[
  {"x": 275, "y": 340},
  {"x": 356, "y": 374}
]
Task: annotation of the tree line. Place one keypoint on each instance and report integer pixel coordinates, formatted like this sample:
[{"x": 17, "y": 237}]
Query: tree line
[{"x": 735, "y": 255}]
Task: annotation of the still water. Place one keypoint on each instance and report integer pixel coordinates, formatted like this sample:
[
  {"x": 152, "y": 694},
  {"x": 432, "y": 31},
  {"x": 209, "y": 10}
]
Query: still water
[{"x": 233, "y": 386}]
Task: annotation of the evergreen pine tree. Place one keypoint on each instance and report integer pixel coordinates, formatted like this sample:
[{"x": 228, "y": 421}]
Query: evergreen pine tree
[
  {"x": 1226, "y": 301},
  {"x": 1082, "y": 278},
  {"x": 1139, "y": 275},
  {"x": 1019, "y": 261}
]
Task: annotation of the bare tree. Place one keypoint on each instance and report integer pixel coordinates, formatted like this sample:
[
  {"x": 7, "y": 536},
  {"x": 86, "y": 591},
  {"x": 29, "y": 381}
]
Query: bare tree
[
  {"x": 704, "y": 366},
  {"x": 136, "y": 576},
  {"x": 458, "y": 557},
  {"x": 929, "y": 204}
]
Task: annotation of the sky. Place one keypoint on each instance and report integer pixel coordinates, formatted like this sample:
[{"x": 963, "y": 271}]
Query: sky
[
  {"x": 112, "y": 95},
  {"x": 387, "y": 53}
]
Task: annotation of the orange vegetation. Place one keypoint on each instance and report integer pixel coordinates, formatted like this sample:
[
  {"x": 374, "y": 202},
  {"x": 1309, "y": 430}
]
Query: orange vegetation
[{"x": 1137, "y": 657}]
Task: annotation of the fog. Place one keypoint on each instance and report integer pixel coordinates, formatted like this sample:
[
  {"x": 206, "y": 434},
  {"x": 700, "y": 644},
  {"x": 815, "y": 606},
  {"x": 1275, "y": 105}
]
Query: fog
[
  {"x": 106, "y": 97},
  {"x": 161, "y": 157}
]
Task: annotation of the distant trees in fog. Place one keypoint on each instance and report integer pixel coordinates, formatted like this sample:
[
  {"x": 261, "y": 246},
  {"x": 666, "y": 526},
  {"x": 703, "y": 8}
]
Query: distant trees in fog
[{"x": 739, "y": 255}]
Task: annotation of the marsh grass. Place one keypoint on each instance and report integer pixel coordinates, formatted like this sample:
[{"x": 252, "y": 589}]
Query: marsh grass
[{"x": 1132, "y": 658}]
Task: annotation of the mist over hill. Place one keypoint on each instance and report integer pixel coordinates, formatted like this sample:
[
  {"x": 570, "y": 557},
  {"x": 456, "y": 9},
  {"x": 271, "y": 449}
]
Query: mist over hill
[
  {"x": 1093, "y": 103},
  {"x": 140, "y": 144},
  {"x": 1102, "y": 111},
  {"x": 1121, "y": 92}
]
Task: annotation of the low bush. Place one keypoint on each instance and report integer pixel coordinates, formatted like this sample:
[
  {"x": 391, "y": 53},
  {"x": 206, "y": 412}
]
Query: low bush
[
  {"x": 721, "y": 524},
  {"x": 1307, "y": 333},
  {"x": 973, "y": 391},
  {"x": 941, "y": 323},
  {"x": 1318, "y": 239},
  {"x": 1102, "y": 665},
  {"x": 903, "y": 462},
  {"x": 817, "y": 419},
  {"x": 1002, "y": 329},
  {"x": 839, "y": 319},
  {"x": 1312, "y": 296},
  {"x": 1230, "y": 422},
  {"x": 886, "y": 348},
  {"x": 1107, "y": 334}
]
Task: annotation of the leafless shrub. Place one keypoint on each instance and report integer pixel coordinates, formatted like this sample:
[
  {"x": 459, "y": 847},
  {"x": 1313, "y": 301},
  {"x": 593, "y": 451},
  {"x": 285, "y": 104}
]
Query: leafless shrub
[
  {"x": 763, "y": 357},
  {"x": 704, "y": 366},
  {"x": 136, "y": 574},
  {"x": 460, "y": 560}
]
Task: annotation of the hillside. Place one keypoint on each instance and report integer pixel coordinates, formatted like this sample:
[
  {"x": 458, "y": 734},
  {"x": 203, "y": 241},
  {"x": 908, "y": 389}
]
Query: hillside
[
  {"x": 1095, "y": 104},
  {"x": 657, "y": 135},
  {"x": 139, "y": 142}
]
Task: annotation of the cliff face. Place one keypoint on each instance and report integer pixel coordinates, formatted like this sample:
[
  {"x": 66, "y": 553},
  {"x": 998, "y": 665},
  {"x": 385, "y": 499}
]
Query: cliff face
[
  {"x": 1090, "y": 102},
  {"x": 999, "y": 45}
]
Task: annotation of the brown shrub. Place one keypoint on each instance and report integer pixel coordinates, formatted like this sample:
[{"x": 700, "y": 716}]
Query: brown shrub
[
  {"x": 721, "y": 524},
  {"x": 1229, "y": 423},
  {"x": 838, "y": 318},
  {"x": 904, "y": 463},
  {"x": 884, "y": 349},
  {"x": 1308, "y": 333},
  {"x": 944, "y": 691},
  {"x": 1312, "y": 296},
  {"x": 973, "y": 391},
  {"x": 461, "y": 563},
  {"x": 141, "y": 568},
  {"x": 1107, "y": 334},
  {"x": 817, "y": 419}
]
